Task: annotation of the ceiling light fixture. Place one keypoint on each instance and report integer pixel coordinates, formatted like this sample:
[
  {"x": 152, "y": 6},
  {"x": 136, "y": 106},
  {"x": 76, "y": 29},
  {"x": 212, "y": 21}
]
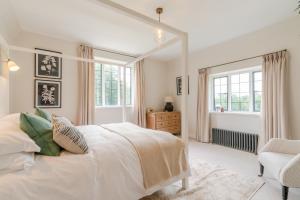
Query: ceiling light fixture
[{"x": 160, "y": 36}]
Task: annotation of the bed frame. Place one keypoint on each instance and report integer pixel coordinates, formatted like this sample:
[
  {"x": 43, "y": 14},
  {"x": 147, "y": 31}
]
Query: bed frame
[{"x": 179, "y": 36}]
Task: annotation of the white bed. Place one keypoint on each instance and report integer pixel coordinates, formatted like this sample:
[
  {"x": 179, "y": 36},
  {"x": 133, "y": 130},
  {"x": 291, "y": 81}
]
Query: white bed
[{"x": 110, "y": 171}]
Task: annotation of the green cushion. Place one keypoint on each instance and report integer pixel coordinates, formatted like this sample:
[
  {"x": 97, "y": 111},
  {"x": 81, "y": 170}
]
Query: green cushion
[
  {"x": 43, "y": 113},
  {"x": 40, "y": 130}
]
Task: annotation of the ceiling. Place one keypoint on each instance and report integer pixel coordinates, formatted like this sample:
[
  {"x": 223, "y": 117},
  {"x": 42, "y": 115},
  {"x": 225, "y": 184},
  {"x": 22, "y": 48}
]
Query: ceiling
[{"x": 208, "y": 22}]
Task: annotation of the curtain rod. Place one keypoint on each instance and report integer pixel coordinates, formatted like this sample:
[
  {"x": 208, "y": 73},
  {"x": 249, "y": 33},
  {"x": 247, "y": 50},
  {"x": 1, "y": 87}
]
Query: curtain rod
[{"x": 231, "y": 62}]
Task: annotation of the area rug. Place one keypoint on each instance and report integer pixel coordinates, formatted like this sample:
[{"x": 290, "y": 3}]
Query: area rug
[{"x": 211, "y": 182}]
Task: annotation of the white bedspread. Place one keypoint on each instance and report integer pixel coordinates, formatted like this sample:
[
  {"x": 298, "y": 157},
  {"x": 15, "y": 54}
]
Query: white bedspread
[{"x": 110, "y": 171}]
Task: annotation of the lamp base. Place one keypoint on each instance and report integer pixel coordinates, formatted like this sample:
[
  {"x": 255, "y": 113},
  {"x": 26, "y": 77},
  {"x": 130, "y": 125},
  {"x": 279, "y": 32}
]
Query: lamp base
[{"x": 169, "y": 107}]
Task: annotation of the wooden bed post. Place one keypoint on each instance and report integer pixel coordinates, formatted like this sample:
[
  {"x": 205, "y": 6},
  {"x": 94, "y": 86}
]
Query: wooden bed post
[{"x": 184, "y": 98}]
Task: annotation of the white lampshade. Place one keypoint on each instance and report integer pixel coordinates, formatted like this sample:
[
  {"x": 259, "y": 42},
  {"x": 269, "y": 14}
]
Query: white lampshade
[
  {"x": 169, "y": 99},
  {"x": 159, "y": 36},
  {"x": 12, "y": 66}
]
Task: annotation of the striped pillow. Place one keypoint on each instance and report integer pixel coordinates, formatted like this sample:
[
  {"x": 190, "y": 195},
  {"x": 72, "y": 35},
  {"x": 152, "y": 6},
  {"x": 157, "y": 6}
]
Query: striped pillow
[{"x": 68, "y": 136}]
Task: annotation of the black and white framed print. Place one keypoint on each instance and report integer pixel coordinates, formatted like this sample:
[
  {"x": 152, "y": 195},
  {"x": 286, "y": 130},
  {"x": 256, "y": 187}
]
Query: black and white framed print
[
  {"x": 47, "y": 66},
  {"x": 47, "y": 94},
  {"x": 179, "y": 85}
]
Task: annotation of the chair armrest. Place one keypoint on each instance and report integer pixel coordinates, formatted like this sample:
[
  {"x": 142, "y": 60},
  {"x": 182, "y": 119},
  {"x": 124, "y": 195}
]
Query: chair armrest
[
  {"x": 290, "y": 174},
  {"x": 282, "y": 146}
]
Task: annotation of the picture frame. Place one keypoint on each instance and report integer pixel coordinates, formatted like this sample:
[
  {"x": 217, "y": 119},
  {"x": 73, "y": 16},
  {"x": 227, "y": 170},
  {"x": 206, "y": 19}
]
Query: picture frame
[
  {"x": 47, "y": 94},
  {"x": 47, "y": 66},
  {"x": 179, "y": 85}
]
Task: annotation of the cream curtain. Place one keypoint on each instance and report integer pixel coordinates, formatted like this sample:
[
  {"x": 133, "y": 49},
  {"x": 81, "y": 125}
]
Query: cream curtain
[
  {"x": 139, "y": 103},
  {"x": 86, "y": 87},
  {"x": 274, "y": 104},
  {"x": 202, "y": 131}
]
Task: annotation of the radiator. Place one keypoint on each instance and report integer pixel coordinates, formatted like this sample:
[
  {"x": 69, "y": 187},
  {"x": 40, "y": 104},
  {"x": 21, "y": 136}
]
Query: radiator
[{"x": 234, "y": 139}]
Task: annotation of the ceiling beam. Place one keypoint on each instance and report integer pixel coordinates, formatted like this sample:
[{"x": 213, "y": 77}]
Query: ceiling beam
[{"x": 139, "y": 17}]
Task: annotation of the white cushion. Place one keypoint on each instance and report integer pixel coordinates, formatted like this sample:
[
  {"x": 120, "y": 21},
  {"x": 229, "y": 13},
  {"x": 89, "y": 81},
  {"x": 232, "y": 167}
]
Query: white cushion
[
  {"x": 12, "y": 138},
  {"x": 274, "y": 162},
  {"x": 16, "y": 161}
]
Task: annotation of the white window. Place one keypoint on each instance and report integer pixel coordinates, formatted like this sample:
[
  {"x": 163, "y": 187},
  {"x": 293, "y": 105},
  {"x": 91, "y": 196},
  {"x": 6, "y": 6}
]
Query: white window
[
  {"x": 108, "y": 84},
  {"x": 237, "y": 91}
]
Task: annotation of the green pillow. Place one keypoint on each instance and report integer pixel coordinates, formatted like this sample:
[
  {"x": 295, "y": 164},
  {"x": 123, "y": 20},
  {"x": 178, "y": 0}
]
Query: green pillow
[
  {"x": 44, "y": 114},
  {"x": 40, "y": 130}
]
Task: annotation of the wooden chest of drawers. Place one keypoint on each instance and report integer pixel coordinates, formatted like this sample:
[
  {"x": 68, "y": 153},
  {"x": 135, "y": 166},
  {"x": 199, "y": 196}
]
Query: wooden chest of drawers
[{"x": 164, "y": 121}]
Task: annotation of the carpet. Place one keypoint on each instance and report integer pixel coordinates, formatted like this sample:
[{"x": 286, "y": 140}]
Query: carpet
[{"x": 211, "y": 182}]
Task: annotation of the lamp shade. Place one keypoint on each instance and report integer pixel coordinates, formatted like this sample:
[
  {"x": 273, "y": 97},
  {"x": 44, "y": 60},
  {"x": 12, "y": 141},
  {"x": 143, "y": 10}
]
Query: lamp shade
[
  {"x": 12, "y": 66},
  {"x": 169, "y": 99}
]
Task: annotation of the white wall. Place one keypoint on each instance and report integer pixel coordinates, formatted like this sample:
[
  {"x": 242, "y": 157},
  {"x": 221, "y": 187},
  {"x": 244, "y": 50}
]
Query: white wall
[
  {"x": 156, "y": 83},
  {"x": 4, "y": 79},
  {"x": 284, "y": 35},
  {"x": 9, "y": 26},
  {"x": 22, "y": 82}
]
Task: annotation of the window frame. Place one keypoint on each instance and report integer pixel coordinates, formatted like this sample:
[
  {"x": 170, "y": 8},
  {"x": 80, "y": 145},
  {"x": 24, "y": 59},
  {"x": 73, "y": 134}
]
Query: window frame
[
  {"x": 228, "y": 74},
  {"x": 120, "y": 92},
  {"x": 213, "y": 87},
  {"x": 253, "y": 91}
]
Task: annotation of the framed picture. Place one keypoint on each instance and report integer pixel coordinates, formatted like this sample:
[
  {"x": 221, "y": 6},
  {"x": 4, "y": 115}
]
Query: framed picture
[
  {"x": 179, "y": 85},
  {"x": 47, "y": 66},
  {"x": 47, "y": 94}
]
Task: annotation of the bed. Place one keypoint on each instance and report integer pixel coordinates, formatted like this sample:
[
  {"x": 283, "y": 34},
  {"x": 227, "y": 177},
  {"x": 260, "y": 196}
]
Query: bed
[{"x": 112, "y": 170}]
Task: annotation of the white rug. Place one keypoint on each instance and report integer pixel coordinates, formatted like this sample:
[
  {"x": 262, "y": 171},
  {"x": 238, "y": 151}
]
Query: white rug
[{"x": 211, "y": 182}]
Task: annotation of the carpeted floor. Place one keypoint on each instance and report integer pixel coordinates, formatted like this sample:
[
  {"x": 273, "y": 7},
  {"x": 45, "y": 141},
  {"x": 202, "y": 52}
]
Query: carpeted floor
[{"x": 211, "y": 182}]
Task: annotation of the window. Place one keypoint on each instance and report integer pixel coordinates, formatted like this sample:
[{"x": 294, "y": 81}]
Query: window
[
  {"x": 220, "y": 93},
  {"x": 237, "y": 92},
  {"x": 109, "y": 83},
  {"x": 240, "y": 92},
  {"x": 257, "y": 92}
]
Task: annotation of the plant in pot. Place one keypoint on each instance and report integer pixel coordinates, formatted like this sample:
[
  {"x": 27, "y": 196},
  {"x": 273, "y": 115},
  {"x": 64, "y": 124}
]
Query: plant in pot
[{"x": 169, "y": 106}]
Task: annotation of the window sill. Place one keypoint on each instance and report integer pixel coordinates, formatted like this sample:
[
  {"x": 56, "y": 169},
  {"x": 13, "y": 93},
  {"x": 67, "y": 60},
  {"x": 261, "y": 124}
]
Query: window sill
[
  {"x": 112, "y": 107},
  {"x": 254, "y": 114}
]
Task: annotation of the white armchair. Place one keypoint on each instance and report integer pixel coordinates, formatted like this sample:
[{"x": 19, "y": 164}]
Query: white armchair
[{"x": 282, "y": 158}]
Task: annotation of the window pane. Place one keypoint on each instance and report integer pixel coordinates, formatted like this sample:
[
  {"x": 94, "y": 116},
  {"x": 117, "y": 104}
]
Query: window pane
[
  {"x": 217, "y": 89},
  {"x": 235, "y": 88},
  {"x": 224, "y": 81},
  {"x": 258, "y": 86},
  {"x": 128, "y": 85},
  {"x": 257, "y": 101},
  {"x": 244, "y": 78},
  {"x": 235, "y": 97},
  {"x": 235, "y": 79},
  {"x": 244, "y": 106},
  {"x": 98, "y": 84},
  {"x": 257, "y": 76},
  {"x": 217, "y": 81},
  {"x": 244, "y": 97},
  {"x": 244, "y": 87},
  {"x": 235, "y": 106},
  {"x": 224, "y": 89},
  {"x": 221, "y": 93}
]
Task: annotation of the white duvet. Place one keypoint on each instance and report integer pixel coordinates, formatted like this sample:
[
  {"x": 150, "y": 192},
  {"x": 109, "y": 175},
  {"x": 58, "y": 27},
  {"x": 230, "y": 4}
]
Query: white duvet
[{"x": 110, "y": 171}]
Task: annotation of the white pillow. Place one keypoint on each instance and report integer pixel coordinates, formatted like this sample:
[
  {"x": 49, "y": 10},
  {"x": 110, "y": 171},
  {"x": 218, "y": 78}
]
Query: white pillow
[
  {"x": 12, "y": 138},
  {"x": 15, "y": 162}
]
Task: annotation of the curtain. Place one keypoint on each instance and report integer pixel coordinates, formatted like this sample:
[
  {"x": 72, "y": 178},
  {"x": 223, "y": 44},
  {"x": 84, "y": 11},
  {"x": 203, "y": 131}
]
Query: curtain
[
  {"x": 274, "y": 104},
  {"x": 86, "y": 87},
  {"x": 139, "y": 103},
  {"x": 202, "y": 130}
]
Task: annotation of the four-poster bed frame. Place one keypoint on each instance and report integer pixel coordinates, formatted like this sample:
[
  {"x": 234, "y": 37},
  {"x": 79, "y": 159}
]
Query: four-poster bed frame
[{"x": 179, "y": 36}]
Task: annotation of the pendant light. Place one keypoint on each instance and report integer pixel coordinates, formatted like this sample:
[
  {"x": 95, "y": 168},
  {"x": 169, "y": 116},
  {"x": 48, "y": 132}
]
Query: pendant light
[{"x": 160, "y": 36}]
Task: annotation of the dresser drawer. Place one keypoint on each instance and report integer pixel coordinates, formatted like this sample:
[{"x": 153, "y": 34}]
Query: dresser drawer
[
  {"x": 160, "y": 117},
  {"x": 161, "y": 124}
]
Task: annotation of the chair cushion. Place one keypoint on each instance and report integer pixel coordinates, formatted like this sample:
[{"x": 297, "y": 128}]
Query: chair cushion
[{"x": 274, "y": 162}]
